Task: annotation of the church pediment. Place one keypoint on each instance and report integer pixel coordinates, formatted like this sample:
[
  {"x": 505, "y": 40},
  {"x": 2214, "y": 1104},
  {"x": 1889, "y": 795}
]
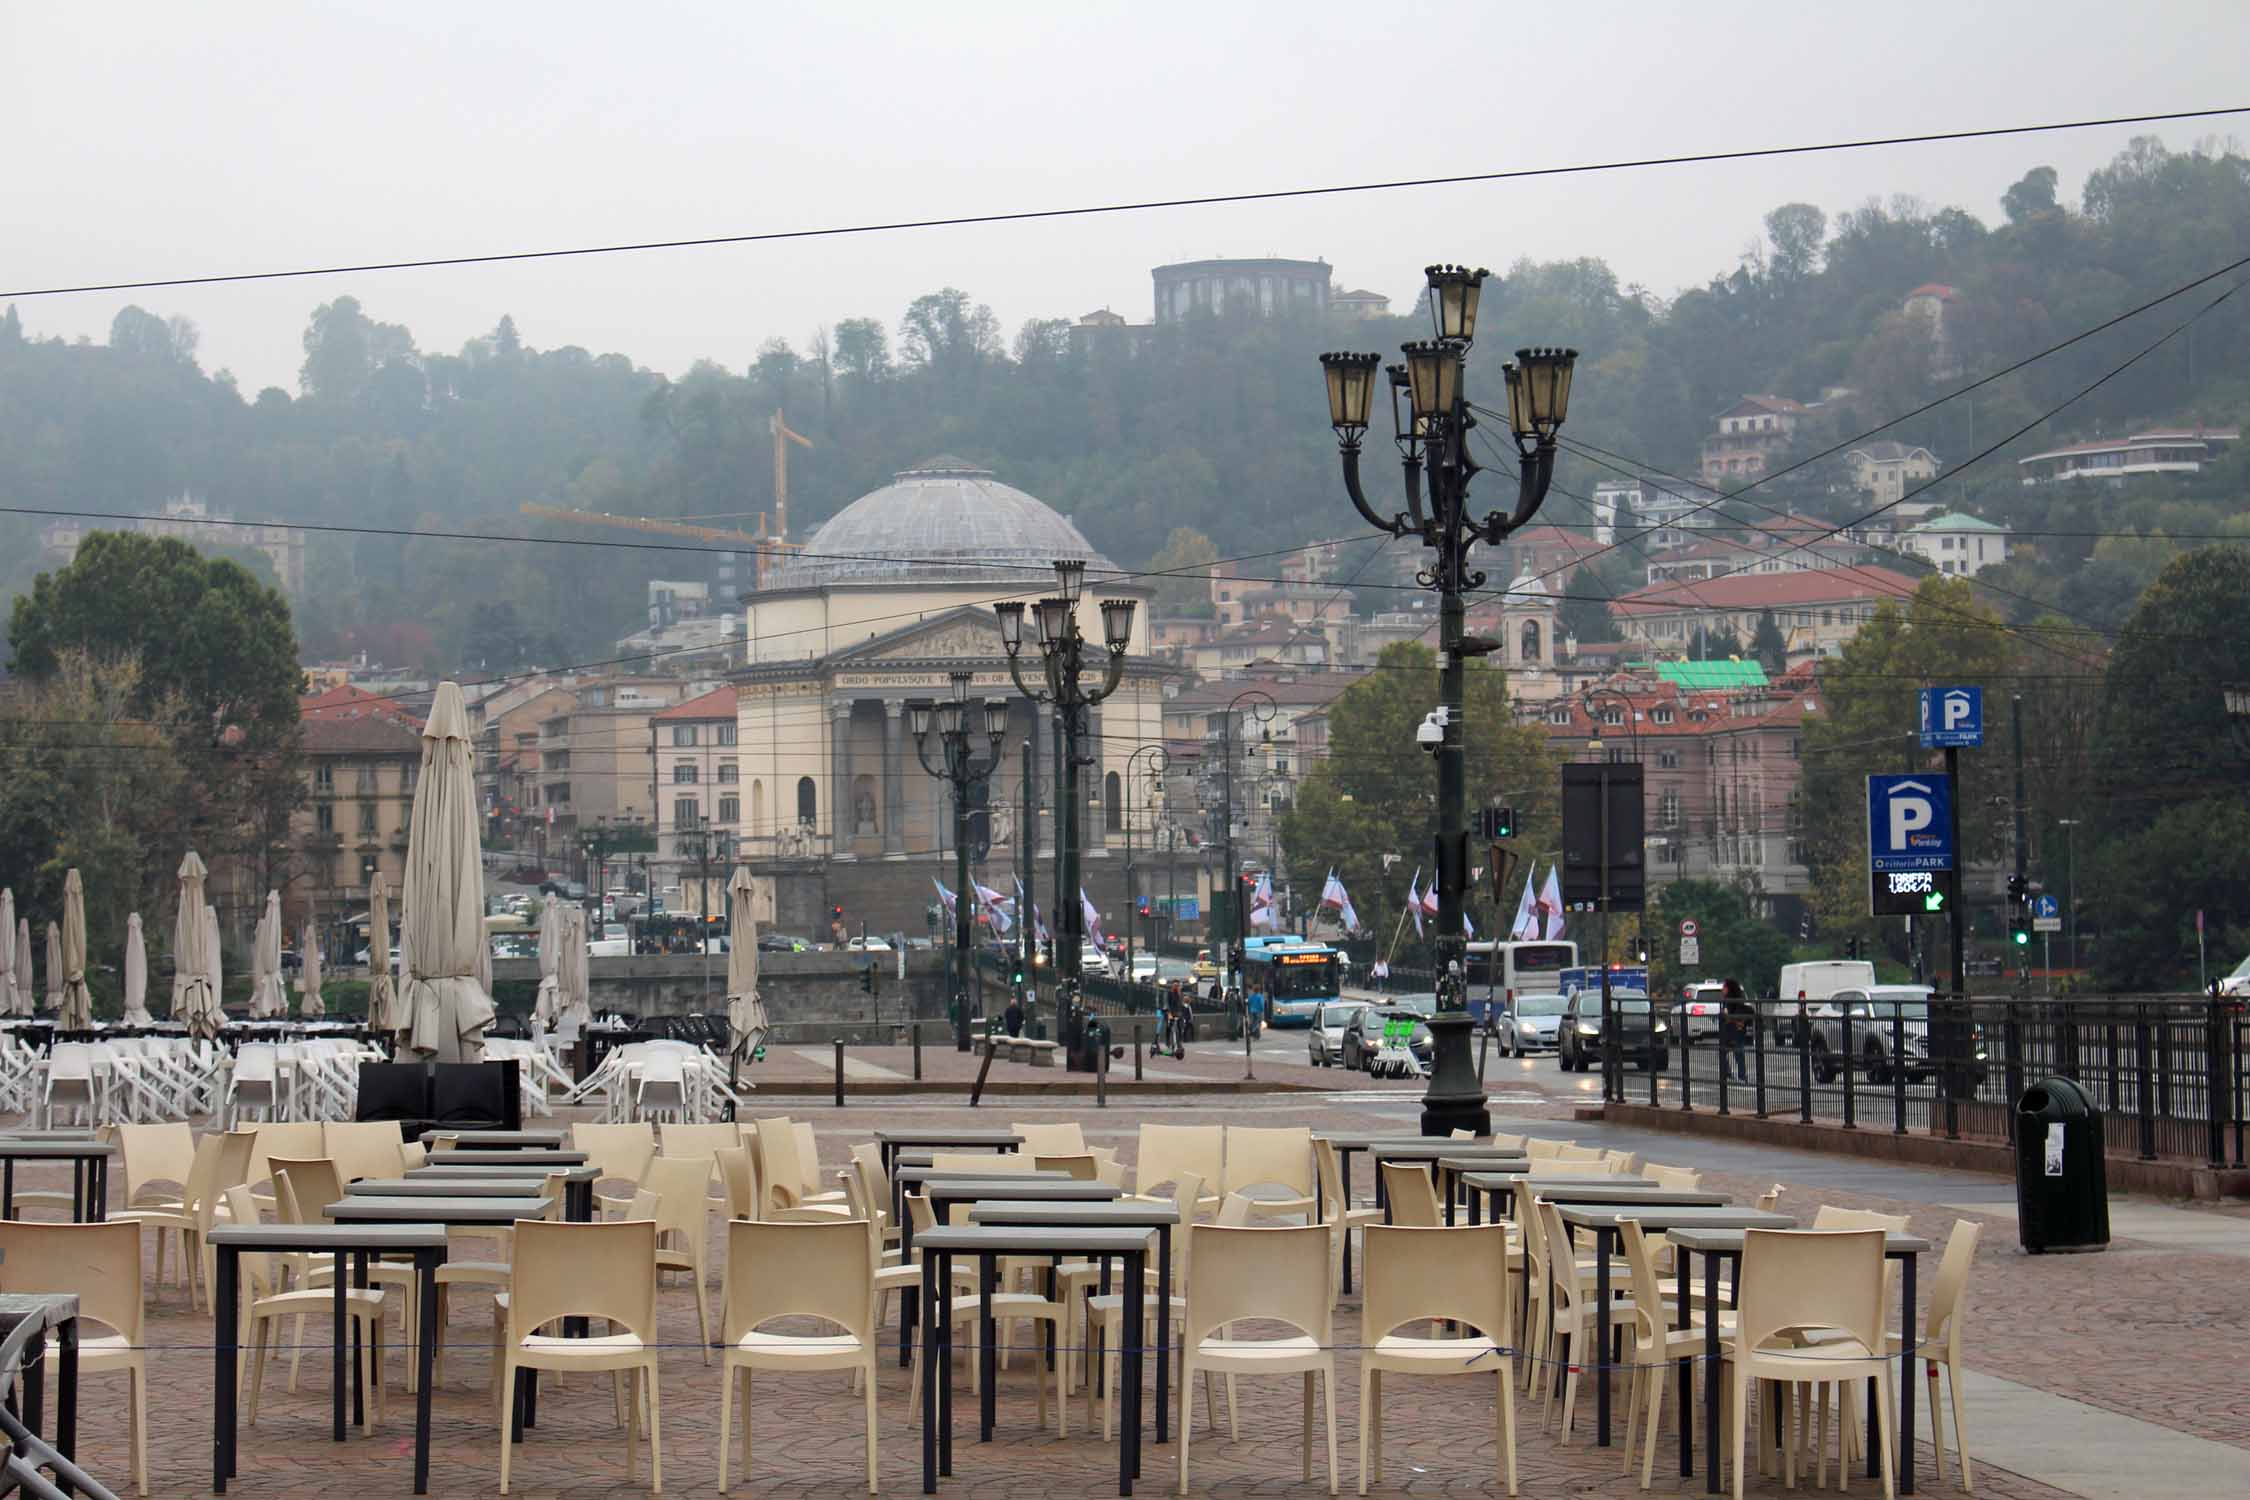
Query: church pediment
[{"x": 961, "y": 634}]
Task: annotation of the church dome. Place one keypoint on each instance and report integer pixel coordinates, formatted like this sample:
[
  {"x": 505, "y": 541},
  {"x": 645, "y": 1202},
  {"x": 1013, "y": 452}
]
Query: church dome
[{"x": 942, "y": 521}]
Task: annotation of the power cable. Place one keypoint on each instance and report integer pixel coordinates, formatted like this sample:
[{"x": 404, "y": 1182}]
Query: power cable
[{"x": 1141, "y": 206}]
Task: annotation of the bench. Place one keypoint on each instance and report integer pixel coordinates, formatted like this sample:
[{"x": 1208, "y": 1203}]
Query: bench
[{"x": 1025, "y": 1050}]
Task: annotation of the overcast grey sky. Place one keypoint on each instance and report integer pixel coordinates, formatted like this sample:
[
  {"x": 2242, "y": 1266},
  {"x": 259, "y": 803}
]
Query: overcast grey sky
[{"x": 165, "y": 140}]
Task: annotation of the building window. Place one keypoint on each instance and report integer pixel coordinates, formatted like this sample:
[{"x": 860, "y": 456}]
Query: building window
[
  {"x": 410, "y": 777},
  {"x": 1662, "y": 714},
  {"x": 324, "y": 777},
  {"x": 364, "y": 782},
  {"x": 807, "y": 802},
  {"x": 729, "y": 773},
  {"x": 730, "y": 809},
  {"x": 367, "y": 817},
  {"x": 1668, "y": 810},
  {"x": 686, "y": 812},
  {"x": 324, "y": 817},
  {"x": 683, "y": 774},
  {"x": 683, "y": 734},
  {"x": 1667, "y": 760},
  {"x": 725, "y": 733}
]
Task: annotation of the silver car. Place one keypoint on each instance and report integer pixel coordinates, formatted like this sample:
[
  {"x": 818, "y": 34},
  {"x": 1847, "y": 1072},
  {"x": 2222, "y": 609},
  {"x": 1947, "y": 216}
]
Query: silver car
[
  {"x": 1529, "y": 1024},
  {"x": 1330, "y": 1018}
]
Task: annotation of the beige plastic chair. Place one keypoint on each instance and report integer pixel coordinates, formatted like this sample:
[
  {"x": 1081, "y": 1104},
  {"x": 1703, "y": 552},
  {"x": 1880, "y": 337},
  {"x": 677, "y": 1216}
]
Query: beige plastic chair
[
  {"x": 154, "y": 1159},
  {"x": 782, "y": 1167},
  {"x": 189, "y": 1218},
  {"x": 987, "y": 1163},
  {"x": 1342, "y": 1218},
  {"x": 1166, "y": 1150},
  {"x": 1064, "y": 1138},
  {"x": 266, "y": 1304},
  {"x": 738, "y": 1175},
  {"x": 1794, "y": 1280},
  {"x": 867, "y": 1158},
  {"x": 593, "y": 1271},
  {"x": 101, "y": 1265},
  {"x": 1271, "y": 1158},
  {"x": 890, "y": 1276},
  {"x": 1572, "y": 1313},
  {"x": 1539, "y": 1146},
  {"x": 1508, "y": 1142},
  {"x": 1103, "y": 1322},
  {"x": 1622, "y": 1163},
  {"x": 809, "y": 1189},
  {"x": 474, "y": 1269},
  {"x": 1565, "y": 1151},
  {"x": 1086, "y": 1168},
  {"x": 672, "y": 1197},
  {"x": 1677, "y": 1179},
  {"x": 1655, "y": 1344},
  {"x": 1412, "y": 1196},
  {"x": 412, "y": 1154},
  {"x": 1008, "y": 1308},
  {"x": 818, "y": 1271},
  {"x": 1240, "y": 1275},
  {"x": 302, "y": 1189},
  {"x": 1456, "y": 1275},
  {"x": 298, "y": 1140},
  {"x": 696, "y": 1140},
  {"x": 619, "y": 1152},
  {"x": 363, "y": 1148}
]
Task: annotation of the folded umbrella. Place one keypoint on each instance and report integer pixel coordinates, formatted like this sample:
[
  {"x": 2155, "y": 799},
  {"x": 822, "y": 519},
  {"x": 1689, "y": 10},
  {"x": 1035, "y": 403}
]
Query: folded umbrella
[
  {"x": 195, "y": 995},
  {"x": 136, "y": 974},
  {"x": 746, "y": 1013},
  {"x": 76, "y": 1012},
  {"x": 382, "y": 994},
  {"x": 309, "y": 1002},
  {"x": 7, "y": 952},
  {"x": 268, "y": 1000},
  {"x": 448, "y": 959}
]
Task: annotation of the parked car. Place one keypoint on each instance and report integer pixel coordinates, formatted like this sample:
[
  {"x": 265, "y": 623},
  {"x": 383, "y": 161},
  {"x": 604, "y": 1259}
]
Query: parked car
[
  {"x": 1144, "y": 968},
  {"x": 616, "y": 941},
  {"x": 1697, "y": 1016},
  {"x": 1205, "y": 967},
  {"x": 1091, "y": 960},
  {"x": 782, "y": 942},
  {"x": 868, "y": 944},
  {"x": 1874, "y": 1012},
  {"x": 1329, "y": 1021},
  {"x": 1363, "y": 1035},
  {"x": 1529, "y": 1025},
  {"x": 1642, "y": 1035},
  {"x": 1815, "y": 980}
]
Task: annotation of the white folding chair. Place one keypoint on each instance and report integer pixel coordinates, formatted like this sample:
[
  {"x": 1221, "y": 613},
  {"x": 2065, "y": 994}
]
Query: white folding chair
[{"x": 70, "y": 1084}]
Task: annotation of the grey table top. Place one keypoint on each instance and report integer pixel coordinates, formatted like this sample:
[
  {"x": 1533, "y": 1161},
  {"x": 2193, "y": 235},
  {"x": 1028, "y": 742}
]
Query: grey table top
[
  {"x": 538, "y": 1139},
  {"x": 15, "y": 1148},
  {"x": 1362, "y": 1140},
  {"x": 436, "y": 1210},
  {"x": 508, "y": 1158},
  {"x": 1729, "y": 1241},
  {"x": 1647, "y": 1194},
  {"x": 1440, "y": 1150},
  {"x": 970, "y": 1188},
  {"x": 441, "y": 1187},
  {"x": 1030, "y": 1239},
  {"x": 950, "y": 1174},
  {"x": 421, "y": 1235},
  {"x": 24, "y": 1318},
  {"x": 79, "y": 1133},
  {"x": 941, "y": 1135},
  {"x": 1519, "y": 1164},
  {"x": 530, "y": 1171},
  {"x": 1672, "y": 1216},
  {"x": 1097, "y": 1215}
]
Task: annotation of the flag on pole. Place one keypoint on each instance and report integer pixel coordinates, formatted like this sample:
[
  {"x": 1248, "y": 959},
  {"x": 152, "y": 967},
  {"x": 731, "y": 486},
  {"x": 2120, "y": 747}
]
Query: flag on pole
[
  {"x": 1038, "y": 922},
  {"x": 1414, "y": 898},
  {"x": 1527, "y": 911},
  {"x": 943, "y": 894},
  {"x": 1467, "y": 926},
  {"x": 1262, "y": 913},
  {"x": 1002, "y": 909},
  {"x": 1550, "y": 904},
  {"x": 1332, "y": 894},
  {"x": 1093, "y": 918}
]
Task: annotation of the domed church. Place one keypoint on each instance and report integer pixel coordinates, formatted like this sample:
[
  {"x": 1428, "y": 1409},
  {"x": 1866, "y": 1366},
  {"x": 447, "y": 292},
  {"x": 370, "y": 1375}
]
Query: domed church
[{"x": 883, "y": 603}]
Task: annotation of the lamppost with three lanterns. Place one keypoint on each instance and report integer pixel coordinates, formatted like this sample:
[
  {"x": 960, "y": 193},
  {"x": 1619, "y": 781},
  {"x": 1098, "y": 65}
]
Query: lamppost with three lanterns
[{"x": 959, "y": 766}]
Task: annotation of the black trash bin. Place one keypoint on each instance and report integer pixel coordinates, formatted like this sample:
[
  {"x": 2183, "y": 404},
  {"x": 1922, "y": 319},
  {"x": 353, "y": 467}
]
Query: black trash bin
[{"x": 2062, "y": 1178}]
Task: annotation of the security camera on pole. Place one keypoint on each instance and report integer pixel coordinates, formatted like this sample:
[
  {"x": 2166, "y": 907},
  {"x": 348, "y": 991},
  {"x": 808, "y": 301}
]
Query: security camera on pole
[{"x": 1431, "y": 419}]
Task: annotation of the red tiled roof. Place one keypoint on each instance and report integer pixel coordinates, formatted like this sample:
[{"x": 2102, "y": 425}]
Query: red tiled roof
[
  {"x": 1937, "y": 289},
  {"x": 716, "y": 704},
  {"x": 361, "y": 734},
  {"x": 347, "y": 702},
  {"x": 1768, "y": 590}
]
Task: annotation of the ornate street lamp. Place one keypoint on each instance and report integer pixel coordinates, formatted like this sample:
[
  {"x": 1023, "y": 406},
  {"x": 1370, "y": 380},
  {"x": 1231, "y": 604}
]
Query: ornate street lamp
[
  {"x": 959, "y": 766},
  {"x": 1157, "y": 763},
  {"x": 1064, "y": 651},
  {"x": 1431, "y": 429}
]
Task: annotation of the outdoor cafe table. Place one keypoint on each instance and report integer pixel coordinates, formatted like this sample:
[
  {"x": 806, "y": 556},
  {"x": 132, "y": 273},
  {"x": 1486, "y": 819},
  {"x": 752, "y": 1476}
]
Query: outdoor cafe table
[
  {"x": 1118, "y": 1215},
  {"x": 89, "y": 1172},
  {"x": 1715, "y": 1245},
  {"x": 1347, "y": 1143},
  {"x": 496, "y": 1181},
  {"x": 936, "y": 1138},
  {"x": 988, "y": 1242},
  {"x": 906, "y": 1177},
  {"x": 541, "y": 1158},
  {"x": 1602, "y": 1219},
  {"x": 423, "y": 1239},
  {"x": 497, "y": 1140},
  {"x": 1575, "y": 1189}
]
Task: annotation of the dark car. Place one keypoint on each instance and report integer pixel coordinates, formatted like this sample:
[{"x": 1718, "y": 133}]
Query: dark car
[
  {"x": 1363, "y": 1036},
  {"x": 782, "y": 942},
  {"x": 1642, "y": 1035}
]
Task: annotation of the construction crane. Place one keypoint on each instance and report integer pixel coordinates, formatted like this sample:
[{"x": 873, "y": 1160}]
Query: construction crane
[{"x": 766, "y": 546}]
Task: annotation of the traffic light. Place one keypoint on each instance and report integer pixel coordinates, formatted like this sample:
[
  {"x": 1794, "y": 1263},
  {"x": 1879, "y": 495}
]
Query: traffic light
[
  {"x": 1851, "y": 948},
  {"x": 2019, "y": 929},
  {"x": 867, "y": 979},
  {"x": 1496, "y": 822}
]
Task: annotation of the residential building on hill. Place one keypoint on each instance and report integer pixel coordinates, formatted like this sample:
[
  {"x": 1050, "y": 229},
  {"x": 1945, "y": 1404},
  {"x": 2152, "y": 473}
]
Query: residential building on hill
[
  {"x": 1264, "y": 287},
  {"x": 1817, "y": 609},
  {"x": 1884, "y": 471},
  {"x": 1751, "y": 432},
  {"x": 1957, "y": 543},
  {"x": 595, "y": 762},
  {"x": 190, "y": 520},
  {"x": 2169, "y": 450}
]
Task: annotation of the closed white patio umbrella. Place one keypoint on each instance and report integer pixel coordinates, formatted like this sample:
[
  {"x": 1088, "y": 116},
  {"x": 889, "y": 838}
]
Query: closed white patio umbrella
[
  {"x": 546, "y": 1007},
  {"x": 215, "y": 956},
  {"x": 76, "y": 1010},
  {"x": 309, "y": 1002},
  {"x": 24, "y": 991},
  {"x": 136, "y": 974},
  {"x": 574, "y": 1010},
  {"x": 746, "y": 1013},
  {"x": 268, "y": 1000},
  {"x": 195, "y": 999},
  {"x": 7, "y": 952},
  {"x": 448, "y": 1003},
  {"x": 54, "y": 971},
  {"x": 382, "y": 994}
]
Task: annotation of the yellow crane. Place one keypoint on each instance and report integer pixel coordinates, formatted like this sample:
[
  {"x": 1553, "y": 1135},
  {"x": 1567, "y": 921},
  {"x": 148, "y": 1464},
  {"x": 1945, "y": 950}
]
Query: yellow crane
[{"x": 764, "y": 545}]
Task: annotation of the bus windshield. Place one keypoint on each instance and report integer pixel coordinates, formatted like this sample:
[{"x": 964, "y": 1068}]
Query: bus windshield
[{"x": 1300, "y": 976}]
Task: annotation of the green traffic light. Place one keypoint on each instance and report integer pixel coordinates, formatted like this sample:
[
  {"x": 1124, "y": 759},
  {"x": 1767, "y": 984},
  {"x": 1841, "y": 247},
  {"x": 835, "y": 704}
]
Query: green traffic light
[{"x": 2023, "y": 938}]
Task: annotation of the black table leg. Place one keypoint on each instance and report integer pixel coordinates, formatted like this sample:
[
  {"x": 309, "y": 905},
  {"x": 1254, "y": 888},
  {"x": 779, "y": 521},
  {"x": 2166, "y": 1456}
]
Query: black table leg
[
  {"x": 1713, "y": 1372},
  {"x": 988, "y": 1358},
  {"x": 929, "y": 1385},
  {"x": 1687, "y": 1376},
  {"x": 101, "y": 1190},
  {"x": 908, "y": 1311},
  {"x": 359, "y": 1377},
  {"x": 941, "y": 1325},
  {"x": 1446, "y": 1178},
  {"x": 66, "y": 1392},
  {"x": 425, "y": 1360},
  {"x": 224, "y": 1317},
  {"x": 35, "y": 1384},
  {"x": 340, "y": 1381},
  {"x": 1599, "y": 1364},
  {"x": 1136, "y": 1313},
  {"x": 1906, "y": 1380},
  {"x": 1344, "y": 1171},
  {"x": 1164, "y": 1330},
  {"x": 78, "y": 1191},
  {"x": 8, "y": 1188}
]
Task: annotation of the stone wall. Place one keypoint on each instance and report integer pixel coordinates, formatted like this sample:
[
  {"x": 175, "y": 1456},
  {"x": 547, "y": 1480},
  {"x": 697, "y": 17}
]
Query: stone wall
[
  {"x": 798, "y": 988},
  {"x": 892, "y": 895}
]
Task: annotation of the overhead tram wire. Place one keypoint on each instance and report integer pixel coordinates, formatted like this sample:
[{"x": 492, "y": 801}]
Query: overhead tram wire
[{"x": 1140, "y": 206}]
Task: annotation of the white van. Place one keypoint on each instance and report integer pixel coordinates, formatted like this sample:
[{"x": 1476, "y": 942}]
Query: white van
[{"x": 1814, "y": 982}]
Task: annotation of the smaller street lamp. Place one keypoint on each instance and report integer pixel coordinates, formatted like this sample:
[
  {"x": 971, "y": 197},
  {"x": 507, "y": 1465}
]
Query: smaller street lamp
[{"x": 959, "y": 766}]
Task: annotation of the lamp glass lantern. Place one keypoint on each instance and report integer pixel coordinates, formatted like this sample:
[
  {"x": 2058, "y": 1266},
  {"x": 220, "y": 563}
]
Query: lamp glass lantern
[
  {"x": 918, "y": 717},
  {"x": 1071, "y": 572},
  {"x": 1053, "y": 617},
  {"x": 1545, "y": 376},
  {"x": 2238, "y": 700},
  {"x": 1351, "y": 391},
  {"x": 1117, "y": 623},
  {"x": 1454, "y": 294},
  {"x": 995, "y": 718},
  {"x": 949, "y": 717},
  {"x": 1010, "y": 612},
  {"x": 1433, "y": 377}
]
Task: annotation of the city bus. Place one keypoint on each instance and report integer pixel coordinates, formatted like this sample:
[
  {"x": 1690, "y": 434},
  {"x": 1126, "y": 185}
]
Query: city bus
[
  {"x": 1498, "y": 972},
  {"x": 1294, "y": 975}
]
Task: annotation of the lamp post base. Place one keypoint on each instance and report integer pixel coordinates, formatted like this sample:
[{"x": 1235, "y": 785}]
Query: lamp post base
[{"x": 1454, "y": 1099}]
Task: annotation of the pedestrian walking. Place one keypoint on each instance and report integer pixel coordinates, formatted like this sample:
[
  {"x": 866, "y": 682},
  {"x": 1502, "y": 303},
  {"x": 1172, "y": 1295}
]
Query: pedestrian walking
[
  {"x": 1013, "y": 1018},
  {"x": 1737, "y": 1019},
  {"x": 1257, "y": 1010}
]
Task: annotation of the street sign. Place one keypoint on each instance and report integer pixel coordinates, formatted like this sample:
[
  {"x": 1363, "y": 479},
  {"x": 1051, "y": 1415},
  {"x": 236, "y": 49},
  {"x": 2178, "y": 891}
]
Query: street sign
[
  {"x": 1691, "y": 949},
  {"x": 2046, "y": 914},
  {"x": 1688, "y": 928},
  {"x": 1910, "y": 893},
  {"x": 1603, "y": 836},
  {"x": 1909, "y": 822},
  {"x": 1953, "y": 718}
]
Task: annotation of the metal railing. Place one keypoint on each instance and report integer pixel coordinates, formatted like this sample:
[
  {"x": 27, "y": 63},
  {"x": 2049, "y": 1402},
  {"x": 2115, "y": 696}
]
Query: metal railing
[{"x": 2171, "y": 1072}]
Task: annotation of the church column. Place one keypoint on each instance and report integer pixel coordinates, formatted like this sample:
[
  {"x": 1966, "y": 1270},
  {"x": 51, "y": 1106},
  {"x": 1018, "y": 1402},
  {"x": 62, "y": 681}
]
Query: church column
[
  {"x": 840, "y": 812},
  {"x": 894, "y": 777}
]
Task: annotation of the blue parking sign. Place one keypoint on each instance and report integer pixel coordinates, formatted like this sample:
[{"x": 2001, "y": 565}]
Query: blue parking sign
[
  {"x": 1909, "y": 822},
  {"x": 1953, "y": 718}
]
